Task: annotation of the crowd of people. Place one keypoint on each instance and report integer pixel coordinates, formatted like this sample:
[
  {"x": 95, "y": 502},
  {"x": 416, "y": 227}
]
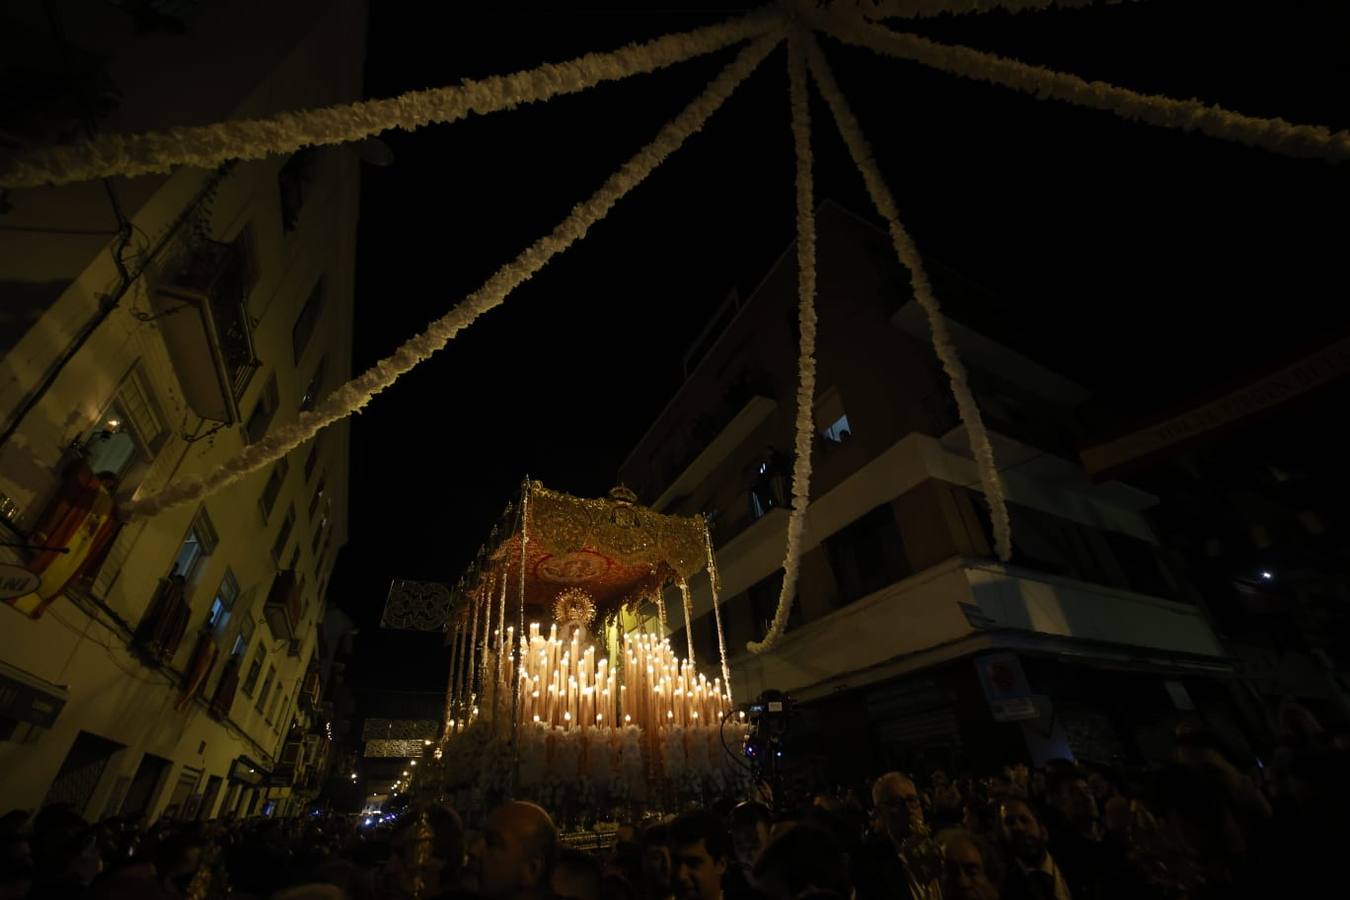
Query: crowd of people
[{"x": 1198, "y": 828}]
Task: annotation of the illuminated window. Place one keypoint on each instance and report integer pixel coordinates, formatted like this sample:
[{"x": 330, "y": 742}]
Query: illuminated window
[
  {"x": 198, "y": 543},
  {"x": 223, "y": 603},
  {"x": 130, "y": 430}
]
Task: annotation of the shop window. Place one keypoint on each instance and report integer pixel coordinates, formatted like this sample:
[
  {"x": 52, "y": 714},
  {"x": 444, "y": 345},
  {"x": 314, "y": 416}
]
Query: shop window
[
  {"x": 226, "y": 594},
  {"x": 867, "y": 554},
  {"x": 263, "y": 412},
  {"x": 130, "y": 430},
  {"x": 198, "y": 543}
]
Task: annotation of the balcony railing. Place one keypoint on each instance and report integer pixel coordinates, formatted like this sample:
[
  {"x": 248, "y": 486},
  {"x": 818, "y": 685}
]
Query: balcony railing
[
  {"x": 202, "y": 316},
  {"x": 282, "y": 609}
]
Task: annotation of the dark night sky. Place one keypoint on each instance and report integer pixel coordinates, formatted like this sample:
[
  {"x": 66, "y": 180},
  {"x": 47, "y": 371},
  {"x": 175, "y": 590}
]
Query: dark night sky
[{"x": 1145, "y": 263}]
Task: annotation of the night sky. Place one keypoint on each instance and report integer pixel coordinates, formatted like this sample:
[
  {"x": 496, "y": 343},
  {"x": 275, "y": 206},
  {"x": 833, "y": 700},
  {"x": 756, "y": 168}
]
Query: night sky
[{"x": 1147, "y": 264}]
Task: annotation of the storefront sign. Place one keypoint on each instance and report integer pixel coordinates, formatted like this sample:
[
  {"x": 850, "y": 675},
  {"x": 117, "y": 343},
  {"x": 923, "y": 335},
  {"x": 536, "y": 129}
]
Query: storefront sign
[
  {"x": 1006, "y": 688},
  {"x": 16, "y": 581},
  {"x": 27, "y": 702}
]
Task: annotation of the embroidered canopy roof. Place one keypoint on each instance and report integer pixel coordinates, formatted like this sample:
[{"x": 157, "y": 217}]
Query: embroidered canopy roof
[{"x": 613, "y": 549}]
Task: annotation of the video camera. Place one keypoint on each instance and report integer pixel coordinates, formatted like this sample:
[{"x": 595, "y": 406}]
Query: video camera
[{"x": 768, "y": 718}]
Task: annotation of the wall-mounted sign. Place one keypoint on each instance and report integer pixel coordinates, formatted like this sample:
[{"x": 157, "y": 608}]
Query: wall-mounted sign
[
  {"x": 1006, "y": 688},
  {"x": 16, "y": 581}
]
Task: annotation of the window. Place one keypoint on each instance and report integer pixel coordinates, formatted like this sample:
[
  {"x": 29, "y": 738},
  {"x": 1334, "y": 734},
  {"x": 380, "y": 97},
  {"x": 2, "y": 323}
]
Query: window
[
  {"x": 303, "y": 329},
  {"x": 282, "y": 708},
  {"x": 311, "y": 394},
  {"x": 867, "y": 555},
  {"x": 242, "y": 639},
  {"x": 272, "y": 710},
  {"x": 261, "y": 418},
  {"x": 254, "y": 670},
  {"x": 318, "y": 535},
  {"x": 831, "y": 420},
  {"x": 283, "y": 534},
  {"x": 273, "y": 488},
  {"x": 295, "y": 558},
  {"x": 267, "y": 686},
  {"x": 130, "y": 430},
  {"x": 763, "y": 596},
  {"x": 198, "y": 543},
  {"x": 311, "y": 460},
  {"x": 226, "y": 594},
  {"x": 294, "y": 181},
  {"x": 318, "y": 496}
]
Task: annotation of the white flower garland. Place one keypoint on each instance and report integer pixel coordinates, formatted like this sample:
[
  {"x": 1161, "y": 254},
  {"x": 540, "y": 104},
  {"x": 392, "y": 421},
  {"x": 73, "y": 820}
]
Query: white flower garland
[
  {"x": 905, "y": 248},
  {"x": 355, "y": 394},
  {"x": 806, "y": 361},
  {"x": 208, "y": 146},
  {"x": 918, "y": 9},
  {"x": 1276, "y": 135}
]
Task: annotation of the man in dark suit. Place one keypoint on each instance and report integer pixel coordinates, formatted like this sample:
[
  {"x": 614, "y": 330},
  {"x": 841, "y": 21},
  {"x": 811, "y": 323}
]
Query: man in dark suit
[
  {"x": 1033, "y": 873},
  {"x": 900, "y": 861}
]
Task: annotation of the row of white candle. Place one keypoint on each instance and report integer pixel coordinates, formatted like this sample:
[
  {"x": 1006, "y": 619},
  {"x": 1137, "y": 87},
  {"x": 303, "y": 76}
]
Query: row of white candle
[
  {"x": 561, "y": 683},
  {"x": 662, "y": 689}
]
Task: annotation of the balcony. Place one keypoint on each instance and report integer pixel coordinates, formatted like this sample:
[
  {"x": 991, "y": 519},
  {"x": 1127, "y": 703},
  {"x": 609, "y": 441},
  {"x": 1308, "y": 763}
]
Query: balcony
[
  {"x": 202, "y": 317},
  {"x": 718, "y": 441},
  {"x": 282, "y": 609},
  {"x": 966, "y": 606}
]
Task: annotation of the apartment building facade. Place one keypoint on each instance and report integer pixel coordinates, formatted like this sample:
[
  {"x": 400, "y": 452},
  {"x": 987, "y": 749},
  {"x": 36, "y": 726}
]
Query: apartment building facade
[
  {"x": 170, "y": 666},
  {"x": 908, "y": 642}
]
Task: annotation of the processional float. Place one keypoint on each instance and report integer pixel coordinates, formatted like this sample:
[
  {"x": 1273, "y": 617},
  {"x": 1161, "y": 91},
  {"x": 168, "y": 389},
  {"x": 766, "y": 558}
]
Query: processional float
[{"x": 558, "y": 692}]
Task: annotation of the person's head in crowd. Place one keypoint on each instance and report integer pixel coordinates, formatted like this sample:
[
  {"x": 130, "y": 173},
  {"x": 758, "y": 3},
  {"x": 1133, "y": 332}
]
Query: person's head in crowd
[
  {"x": 1194, "y": 806},
  {"x": 898, "y": 806},
  {"x": 1022, "y": 831},
  {"x": 1102, "y": 783},
  {"x": 1072, "y": 798},
  {"x": 1298, "y": 726},
  {"x": 970, "y": 867},
  {"x": 700, "y": 850},
  {"x": 1019, "y": 779},
  {"x": 16, "y": 867},
  {"x": 576, "y": 875},
  {"x": 802, "y": 861},
  {"x": 750, "y": 826},
  {"x": 1118, "y": 819},
  {"x": 655, "y": 860},
  {"x": 355, "y": 882},
  {"x": 626, "y": 859},
  {"x": 981, "y": 817},
  {"x": 177, "y": 859},
  {"x": 444, "y": 861},
  {"x": 514, "y": 856},
  {"x": 12, "y": 822}
]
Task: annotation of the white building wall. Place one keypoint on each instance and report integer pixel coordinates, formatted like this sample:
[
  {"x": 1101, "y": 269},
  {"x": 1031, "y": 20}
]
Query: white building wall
[{"x": 111, "y": 694}]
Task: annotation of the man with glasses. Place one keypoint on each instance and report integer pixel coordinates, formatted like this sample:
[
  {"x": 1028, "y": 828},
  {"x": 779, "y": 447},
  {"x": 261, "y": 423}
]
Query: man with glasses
[{"x": 901, "y": 859}]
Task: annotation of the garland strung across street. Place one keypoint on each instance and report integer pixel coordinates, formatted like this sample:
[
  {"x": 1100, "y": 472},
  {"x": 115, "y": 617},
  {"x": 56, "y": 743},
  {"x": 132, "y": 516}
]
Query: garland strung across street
[{"x": 852, "y": 22}]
